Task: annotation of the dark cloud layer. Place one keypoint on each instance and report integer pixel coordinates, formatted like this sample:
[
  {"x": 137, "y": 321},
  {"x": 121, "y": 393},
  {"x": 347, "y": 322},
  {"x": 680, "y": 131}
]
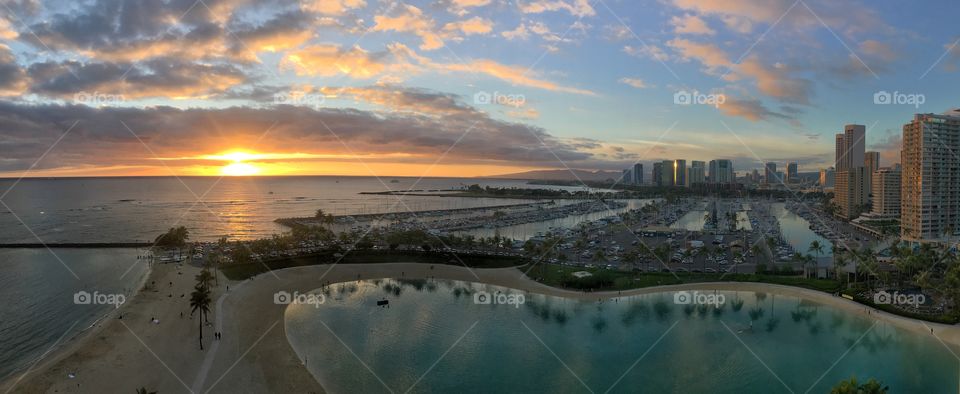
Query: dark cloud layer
[{"x": 100, "y": 137}]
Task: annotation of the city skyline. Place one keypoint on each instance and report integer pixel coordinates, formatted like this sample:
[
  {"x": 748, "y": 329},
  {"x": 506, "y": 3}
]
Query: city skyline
[{"x": 466, "y": 88}]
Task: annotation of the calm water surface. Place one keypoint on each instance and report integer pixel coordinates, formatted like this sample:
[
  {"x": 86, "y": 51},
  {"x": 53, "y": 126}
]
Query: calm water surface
[
  {"x": 796, "y": 230},
  {"x": 37, "y": 293},
  {"x": 137, "y": 209},
  {"x": 434, "y": 338}
]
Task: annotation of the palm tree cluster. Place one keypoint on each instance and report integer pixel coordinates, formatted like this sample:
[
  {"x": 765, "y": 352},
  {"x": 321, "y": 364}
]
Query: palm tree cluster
[
  {"x": 851, "y": 386},
  {"x": 175, "y": 237}
]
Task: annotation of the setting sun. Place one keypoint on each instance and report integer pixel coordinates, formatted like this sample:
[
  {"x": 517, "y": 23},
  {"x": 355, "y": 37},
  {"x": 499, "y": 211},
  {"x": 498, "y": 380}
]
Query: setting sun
[{"x": 240, "y": 169}]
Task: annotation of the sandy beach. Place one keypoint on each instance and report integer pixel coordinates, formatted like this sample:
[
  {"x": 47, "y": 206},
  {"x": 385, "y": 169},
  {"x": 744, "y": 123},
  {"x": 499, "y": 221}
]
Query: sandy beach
[{"x": 254, "y": 354}]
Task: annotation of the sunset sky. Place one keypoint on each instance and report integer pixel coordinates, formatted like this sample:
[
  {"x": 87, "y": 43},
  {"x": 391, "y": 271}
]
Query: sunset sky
[{"x": 457, "y": 87}]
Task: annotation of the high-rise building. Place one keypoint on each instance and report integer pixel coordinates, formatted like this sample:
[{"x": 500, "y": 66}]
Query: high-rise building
[
  {"x": 666, "y": 173},
  {"x": 930, "y": 186},
  {"x": 756, "y": 176},
  {"x": 871, "y": 160},
  {"x": 680, "y": 172},
  {"x": 770, "y": 173},
  {"x": 638, "y": 174},
  {"x": 850, "y": 149},
  {"x": 850, "y": 191},
  {"x": 657, "y": 175},
  {"x": 792, "y": 175},
  {"x": 827, "y": 177},
  {"x": 697, "y": 172},
  {"x": 627, "y": 177},
  {"x": 886, "y": 193},
  {"x": 721, "y": 171},
  {"x": 852, "y": 179}
]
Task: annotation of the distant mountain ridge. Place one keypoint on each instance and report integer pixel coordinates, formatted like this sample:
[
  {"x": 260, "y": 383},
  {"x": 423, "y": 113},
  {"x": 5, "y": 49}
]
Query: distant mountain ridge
[{"x": 562, "y": 175}]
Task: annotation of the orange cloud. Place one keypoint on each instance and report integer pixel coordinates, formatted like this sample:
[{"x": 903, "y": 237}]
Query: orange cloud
[{"x": 330, "y": 60}]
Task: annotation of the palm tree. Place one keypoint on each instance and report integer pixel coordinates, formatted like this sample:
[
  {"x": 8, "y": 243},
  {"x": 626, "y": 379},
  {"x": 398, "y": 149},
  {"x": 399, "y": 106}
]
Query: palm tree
[
  {"x": 200, "y": 301},
  {"x": 815, "y": 247},
  {"x": 757, "y": 250},
  {"x": 599, "y": 255},
  {"x": 839, "y": 263}
]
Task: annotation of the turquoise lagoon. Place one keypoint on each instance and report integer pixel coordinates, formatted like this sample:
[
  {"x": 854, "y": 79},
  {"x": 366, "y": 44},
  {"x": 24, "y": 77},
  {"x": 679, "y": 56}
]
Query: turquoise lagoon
[{"x": 435, "y": 338}]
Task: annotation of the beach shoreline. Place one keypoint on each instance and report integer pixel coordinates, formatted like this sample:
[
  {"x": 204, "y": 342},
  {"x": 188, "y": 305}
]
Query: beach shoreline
[
  {"x": 255, "y": 354},
  {"x": 69, "y": 345}
]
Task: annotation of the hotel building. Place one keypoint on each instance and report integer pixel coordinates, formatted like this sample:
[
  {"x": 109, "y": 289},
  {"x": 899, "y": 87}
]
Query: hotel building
[
  {"x": 886, "y": 193},
  {"x": 852, "y": 179},
  {"x": 930, "y": 191}
]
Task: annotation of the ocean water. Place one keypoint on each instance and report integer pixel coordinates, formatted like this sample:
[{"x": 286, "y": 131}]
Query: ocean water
[
  {"x": 435, "y": 338},
  {"x": 37, "y": 287},
  {"x": 138, "y": 209}
]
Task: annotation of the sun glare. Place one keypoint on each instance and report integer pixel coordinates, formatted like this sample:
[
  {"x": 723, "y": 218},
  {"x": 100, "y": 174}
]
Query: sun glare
[{"x": 240, "y": 169}]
